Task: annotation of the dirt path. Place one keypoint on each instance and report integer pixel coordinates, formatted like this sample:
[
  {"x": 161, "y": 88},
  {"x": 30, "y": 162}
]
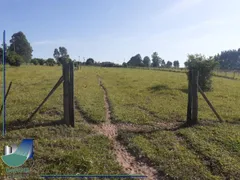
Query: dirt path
[{"x": 126, "y": 160}]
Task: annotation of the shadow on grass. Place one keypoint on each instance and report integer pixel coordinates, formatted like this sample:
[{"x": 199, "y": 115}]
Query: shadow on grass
[
  {"x": 84, "y": 114},
  {"x": 149, "y": 129},
  {"x": 158, "y": 87},
  {"x": 20, "y": 124},
  {"x": 183, "y": 90}
]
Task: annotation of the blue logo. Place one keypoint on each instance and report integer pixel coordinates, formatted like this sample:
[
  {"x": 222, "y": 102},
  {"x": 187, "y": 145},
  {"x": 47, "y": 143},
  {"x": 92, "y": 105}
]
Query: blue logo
[{"x": 16, "y": 156}]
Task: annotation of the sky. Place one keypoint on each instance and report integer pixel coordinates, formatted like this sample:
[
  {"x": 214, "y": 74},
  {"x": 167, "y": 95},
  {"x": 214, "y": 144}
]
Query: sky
[{"x": 116, "y": 30}]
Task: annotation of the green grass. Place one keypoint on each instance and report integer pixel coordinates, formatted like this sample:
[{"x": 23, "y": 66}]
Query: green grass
[
  {"x": 58, "y": 149},
  {"x": 63, "y": 150},
  {"x": 218, "y": 145},
  {"x": 168, "y": 154},
  {"x": 208, "y": 151},
  {"x": 146, "y": 97},
  {"x": 89, "y": 94},
  {"x": 30, "y": 85}
]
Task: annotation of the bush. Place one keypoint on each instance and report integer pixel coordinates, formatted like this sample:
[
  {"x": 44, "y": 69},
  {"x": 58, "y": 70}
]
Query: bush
[
  {"x": 14, "y": 59},
  {"x": 90, "y": 61},
  {"x": 205, "y": 68},
  {"x": 41, "y": 61},
  {"x": 34, "y": 61},
  {"x": 50, "y": 62}
]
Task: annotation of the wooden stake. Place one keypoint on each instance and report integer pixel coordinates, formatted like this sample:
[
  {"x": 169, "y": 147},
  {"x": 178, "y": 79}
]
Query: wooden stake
[
  {"x": 194, "y": 97},
  {"x": 46, "y": 98},
  {"x": 71, "y": 94},
  {"x": 189, "y": 107},
  {"x": 209, "y": 104},
  {"x": 9, "y": 87},
  {"x": 66, "y": 92}
]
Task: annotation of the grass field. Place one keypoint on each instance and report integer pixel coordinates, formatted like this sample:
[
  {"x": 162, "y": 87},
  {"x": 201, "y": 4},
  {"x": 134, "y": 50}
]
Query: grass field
[{"x": 155, "y": 101}]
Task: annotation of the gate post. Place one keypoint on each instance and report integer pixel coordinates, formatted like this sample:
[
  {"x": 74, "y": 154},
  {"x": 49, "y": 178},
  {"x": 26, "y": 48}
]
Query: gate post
[
  {"x": 66, "y": 92},
  {"x": 192, "y": 109},
  {"x": 71, "y": 94}
]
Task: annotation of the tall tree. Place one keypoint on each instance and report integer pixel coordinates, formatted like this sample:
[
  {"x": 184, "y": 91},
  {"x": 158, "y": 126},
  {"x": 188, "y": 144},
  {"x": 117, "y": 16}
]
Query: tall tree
[
  {"x": 135, "y": 61},
  {"x": 229, "y": 59},
  {"x": 61, "y": 55},
  {"x": 204, "y": 66},
  {"x": 50, "y": 62},
  {"x": 63, "y": 52},
  {"x": 146, "y": 61},
  {"x": 56, "y": 54},
  {"x": 176, "y": 64},
  {"x": 20, "y": 45},
  {"x": 156, "y": 60},
  {"x": 90, "y": 61},
  {"x": 169, "y": 64},
  {"x": 163, "y": 63}
]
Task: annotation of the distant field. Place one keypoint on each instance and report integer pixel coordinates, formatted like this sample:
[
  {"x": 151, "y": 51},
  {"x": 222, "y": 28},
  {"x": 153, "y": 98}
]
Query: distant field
[
  {"x": 142, "y": 96},
  {"x": 153, "y": 101},
  {"x": 58, "y": 149}
]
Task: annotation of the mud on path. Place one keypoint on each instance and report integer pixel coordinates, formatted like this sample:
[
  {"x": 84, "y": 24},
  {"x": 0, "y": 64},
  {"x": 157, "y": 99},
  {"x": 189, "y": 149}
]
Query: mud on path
[{"x": 126, "y": 160}]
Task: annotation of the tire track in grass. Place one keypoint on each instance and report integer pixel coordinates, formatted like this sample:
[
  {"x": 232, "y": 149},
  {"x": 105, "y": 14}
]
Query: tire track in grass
[
  {"x": 126, "y": 160},
  {"x": 213, "y": 165}
]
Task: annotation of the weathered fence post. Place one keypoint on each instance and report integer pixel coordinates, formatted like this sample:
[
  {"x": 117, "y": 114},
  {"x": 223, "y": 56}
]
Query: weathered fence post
[
  {"x": 192, "y": 109},
  {"x": 194, "y": 97},
  {"x": 189, "y": 107},
  {"x": 66, "y": 92},
  {"x": 71, "y": 94}
]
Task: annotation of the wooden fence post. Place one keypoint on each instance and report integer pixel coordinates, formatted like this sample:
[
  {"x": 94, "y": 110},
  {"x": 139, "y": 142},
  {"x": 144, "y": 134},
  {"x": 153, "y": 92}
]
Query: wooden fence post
[
  {"x": 66, "y": 92},
  {"x": 189, "y": 107},
  {"x": 71, "y": 94},
  {"x": 194, "y": 85}
]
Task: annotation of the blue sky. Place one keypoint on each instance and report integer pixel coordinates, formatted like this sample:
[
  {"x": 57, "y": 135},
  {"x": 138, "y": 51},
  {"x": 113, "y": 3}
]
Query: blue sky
[{"x": 114, "y": 30}]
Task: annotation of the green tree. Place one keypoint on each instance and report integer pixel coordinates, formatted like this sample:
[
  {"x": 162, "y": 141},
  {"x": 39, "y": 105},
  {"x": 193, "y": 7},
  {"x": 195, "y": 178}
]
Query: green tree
[
  {"x": 135, "y": 61},
  {"x": 41, "y": 61},
  {"x": 14, "y": 59},
  {"x": 50, "y": 62},
  {"x": 169, "y": 64},
  {"x": 20, "y": 45},
  {"x": 204, "y": 66},
  {"x": 176, "y": 64},
  {"x": 146, "y": 61},
  {"x": 163, "y": 64},
  {"x": 56, "y": 55},
  {"x": 61, "y": 55},
  {"x": 229, "y": 59},
  {"x": 63, "y": 52},
  {"x": 124, "y": 64},
  {"x": 90, "y": 61},
  {"x": 34, "y": 61},
  {"x": 156, "y": 60}
]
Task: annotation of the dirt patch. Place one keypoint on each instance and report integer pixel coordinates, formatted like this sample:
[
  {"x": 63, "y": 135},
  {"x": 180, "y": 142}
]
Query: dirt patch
[{"x": 126, "y": 160}]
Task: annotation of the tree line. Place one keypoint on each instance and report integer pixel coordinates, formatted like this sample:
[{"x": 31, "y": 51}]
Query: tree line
[
  {"x": 20, "y": 51},
  {"x": 156, "y": 61},
  {"x": 229, "y": 59}
]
